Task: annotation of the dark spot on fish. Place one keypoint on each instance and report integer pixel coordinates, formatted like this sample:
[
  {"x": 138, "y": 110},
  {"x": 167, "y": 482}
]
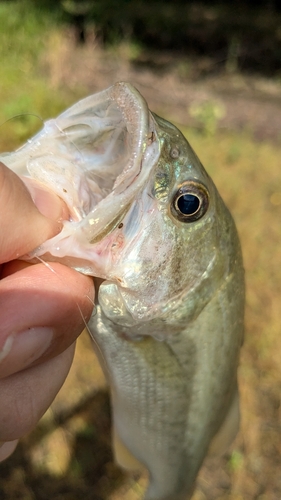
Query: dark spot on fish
[
  {"x": 150, "y": 138},
  {"x": 64, "y": 190},
  {"x": 160, "y": 175},
  {"x": 120, "y": 225}
]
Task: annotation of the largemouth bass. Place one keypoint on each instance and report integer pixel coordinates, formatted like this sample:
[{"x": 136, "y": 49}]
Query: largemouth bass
[{"x": 147, "y": 219}]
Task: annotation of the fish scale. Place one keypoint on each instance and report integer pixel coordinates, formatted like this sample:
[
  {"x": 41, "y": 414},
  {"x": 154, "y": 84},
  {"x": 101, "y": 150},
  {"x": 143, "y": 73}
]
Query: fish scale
[
  {"x": 174, "y": 392},
  {"x": 145, "y": 382}
]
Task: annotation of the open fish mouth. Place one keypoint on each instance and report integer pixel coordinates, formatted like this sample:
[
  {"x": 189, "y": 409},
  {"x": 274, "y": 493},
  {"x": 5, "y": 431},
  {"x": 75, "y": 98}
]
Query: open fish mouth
[{"x": 96, "y": 156}]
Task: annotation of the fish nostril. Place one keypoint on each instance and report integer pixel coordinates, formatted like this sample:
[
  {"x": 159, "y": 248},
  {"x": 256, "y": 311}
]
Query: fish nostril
[{"x": 174, "y": 153}]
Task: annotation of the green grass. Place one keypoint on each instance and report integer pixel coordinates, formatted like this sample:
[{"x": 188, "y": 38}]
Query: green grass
[{"x": 24, "y": 89}]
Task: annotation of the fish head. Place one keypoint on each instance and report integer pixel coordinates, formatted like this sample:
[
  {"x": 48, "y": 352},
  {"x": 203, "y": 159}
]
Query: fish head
[
  {"x": 171, "y": 250},
  {"x": 145, "y": 215}
]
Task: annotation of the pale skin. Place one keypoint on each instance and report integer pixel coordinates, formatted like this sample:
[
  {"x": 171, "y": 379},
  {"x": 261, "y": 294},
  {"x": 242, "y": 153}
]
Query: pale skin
[{"x": 42, "y": 312}]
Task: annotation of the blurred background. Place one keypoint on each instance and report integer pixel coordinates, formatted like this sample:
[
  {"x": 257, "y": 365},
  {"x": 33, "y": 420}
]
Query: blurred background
[{"x": 213, "y": 69}]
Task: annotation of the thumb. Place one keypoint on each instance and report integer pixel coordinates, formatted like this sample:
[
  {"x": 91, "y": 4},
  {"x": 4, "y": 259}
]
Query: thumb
[{"x": 23, "y": 226}]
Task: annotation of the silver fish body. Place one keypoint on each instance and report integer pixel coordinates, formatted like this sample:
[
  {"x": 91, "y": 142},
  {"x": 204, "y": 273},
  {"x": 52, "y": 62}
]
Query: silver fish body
[
  {"x": 148, "y": 220},
  {"x": 172, "y": 362}
]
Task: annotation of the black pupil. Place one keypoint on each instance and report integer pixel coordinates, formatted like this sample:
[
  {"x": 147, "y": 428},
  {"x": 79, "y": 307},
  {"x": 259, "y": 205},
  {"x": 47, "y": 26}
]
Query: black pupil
[{"x": 188, "y": 204}]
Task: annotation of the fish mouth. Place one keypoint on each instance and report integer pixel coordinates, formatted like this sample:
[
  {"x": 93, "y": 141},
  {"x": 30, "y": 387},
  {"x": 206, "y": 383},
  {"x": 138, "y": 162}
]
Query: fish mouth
[{"x": 96, "y": 156}]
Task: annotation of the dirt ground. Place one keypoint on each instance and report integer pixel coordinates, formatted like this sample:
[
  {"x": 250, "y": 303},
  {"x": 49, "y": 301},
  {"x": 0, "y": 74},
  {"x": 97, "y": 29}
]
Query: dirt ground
[
  {"x": 68, "y": 456},
  {"x": 171, "y": 85}
]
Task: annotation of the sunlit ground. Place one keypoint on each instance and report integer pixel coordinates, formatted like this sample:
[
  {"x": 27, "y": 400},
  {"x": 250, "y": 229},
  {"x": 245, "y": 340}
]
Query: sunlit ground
[{"x": 68, "y": 456}]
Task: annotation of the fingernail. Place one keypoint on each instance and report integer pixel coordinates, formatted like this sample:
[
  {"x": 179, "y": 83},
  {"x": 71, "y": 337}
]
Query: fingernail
[
  {"x": 22, "y": 349},
  {"x": 7, "y": 448}
]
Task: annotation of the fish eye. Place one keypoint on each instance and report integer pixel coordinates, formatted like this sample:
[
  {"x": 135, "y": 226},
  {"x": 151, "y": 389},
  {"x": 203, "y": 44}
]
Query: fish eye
[{"x": 190, "y": 202}]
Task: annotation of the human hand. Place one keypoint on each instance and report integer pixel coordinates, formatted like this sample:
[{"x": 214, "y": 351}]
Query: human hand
[{"x": 42, "y": 311}]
